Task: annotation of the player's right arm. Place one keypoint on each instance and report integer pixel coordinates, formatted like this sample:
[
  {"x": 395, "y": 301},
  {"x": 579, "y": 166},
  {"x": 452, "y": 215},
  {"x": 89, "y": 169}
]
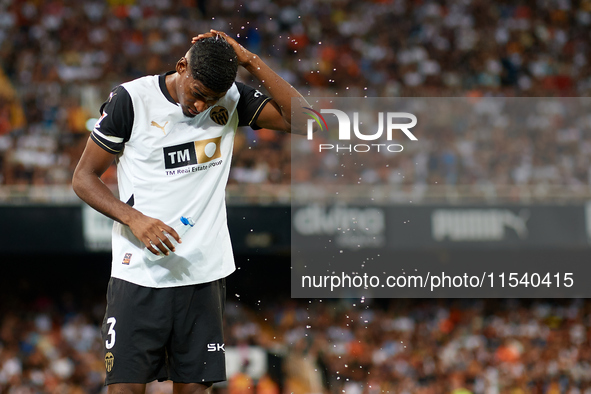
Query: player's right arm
[{"x": 98, "y": 155}]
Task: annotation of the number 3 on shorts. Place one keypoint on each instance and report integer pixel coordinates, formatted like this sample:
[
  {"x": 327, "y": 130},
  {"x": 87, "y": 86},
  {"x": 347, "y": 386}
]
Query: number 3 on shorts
[{"x": 111, "y": 321}]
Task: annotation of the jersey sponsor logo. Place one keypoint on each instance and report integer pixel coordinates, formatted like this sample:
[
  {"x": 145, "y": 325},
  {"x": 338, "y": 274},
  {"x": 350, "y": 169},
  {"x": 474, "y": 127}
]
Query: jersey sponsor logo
[
  {"x": 215, "y": 347},
  {"x": 109, "y": 361},
  {"x": 197, "y": 152},
  {"x": 126, "y": 258},
  {"x": 160, "y": 127},
  {"x": 219, "y": 115}
]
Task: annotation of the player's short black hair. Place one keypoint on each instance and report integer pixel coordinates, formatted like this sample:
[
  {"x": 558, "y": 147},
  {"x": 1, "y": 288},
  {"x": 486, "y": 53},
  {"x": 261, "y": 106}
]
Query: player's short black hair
[{"x": 213, "y": 62}]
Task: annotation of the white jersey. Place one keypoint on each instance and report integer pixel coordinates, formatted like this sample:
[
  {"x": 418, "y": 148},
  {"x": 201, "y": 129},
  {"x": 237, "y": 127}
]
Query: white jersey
[{"x": 170, "y": 165}]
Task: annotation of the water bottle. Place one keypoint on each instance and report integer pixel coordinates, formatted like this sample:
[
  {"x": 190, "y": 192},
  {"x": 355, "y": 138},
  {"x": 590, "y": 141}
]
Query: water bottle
[{"x": 181, "y": 228}]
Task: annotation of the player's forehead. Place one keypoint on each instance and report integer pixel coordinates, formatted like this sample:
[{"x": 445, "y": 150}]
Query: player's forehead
[{"x": 198, "y": 87}]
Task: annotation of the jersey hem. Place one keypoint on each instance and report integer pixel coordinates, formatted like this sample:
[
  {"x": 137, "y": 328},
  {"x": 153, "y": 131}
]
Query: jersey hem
[
  {"x": 179, "y": 284},
  {"x": 256, "y": 115},
  {"x": 103, "y": 145}
]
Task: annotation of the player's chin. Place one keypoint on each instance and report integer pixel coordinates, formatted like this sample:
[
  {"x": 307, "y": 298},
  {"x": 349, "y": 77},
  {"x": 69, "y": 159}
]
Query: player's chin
[{"x": 190, "y": 113}]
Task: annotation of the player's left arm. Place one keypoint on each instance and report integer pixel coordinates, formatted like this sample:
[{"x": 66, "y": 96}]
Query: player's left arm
[{"x": 277, "y": 113}]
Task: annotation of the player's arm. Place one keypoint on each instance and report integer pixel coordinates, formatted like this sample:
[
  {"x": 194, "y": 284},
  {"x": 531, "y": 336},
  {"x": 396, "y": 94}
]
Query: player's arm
[
  {"x": 105, "y": 142},
  {"x": 277, "y": 114},
  {"x": 91, "y": 189}
]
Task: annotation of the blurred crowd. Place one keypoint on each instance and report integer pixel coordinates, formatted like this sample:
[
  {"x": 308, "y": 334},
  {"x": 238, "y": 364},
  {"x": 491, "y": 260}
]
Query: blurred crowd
[
  {"x": 60, "y": 58},
  {"x": 330, "y": 346},
  {"x": 486, "y": 145},
  {"x": 431, "y": 347}
]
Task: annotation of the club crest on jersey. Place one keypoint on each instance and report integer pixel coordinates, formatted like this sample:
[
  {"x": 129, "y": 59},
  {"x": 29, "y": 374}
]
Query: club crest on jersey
[
  {"x": 126, "y": 258},
  {"x": 197, "y": 152},
  {"x": 109, "y": 361},
  {"x": 219, "y": 115}
]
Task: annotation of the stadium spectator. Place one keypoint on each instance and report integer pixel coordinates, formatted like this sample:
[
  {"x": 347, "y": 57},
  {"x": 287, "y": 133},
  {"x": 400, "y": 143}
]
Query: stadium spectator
[
  {"x": 467, "y": 346},
  {"x": 60, "y": 58}
]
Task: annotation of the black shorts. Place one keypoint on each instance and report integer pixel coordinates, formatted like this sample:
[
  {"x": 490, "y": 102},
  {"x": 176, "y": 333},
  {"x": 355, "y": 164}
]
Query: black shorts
[{"x": 173, "y": 333}]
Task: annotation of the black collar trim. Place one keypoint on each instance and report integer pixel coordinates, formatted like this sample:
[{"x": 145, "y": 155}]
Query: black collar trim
[{"x": 162, "y": 83}]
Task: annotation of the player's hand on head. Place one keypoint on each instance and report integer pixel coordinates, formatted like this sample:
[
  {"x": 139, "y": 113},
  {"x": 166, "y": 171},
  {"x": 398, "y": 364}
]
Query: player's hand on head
[
  {"x": 152, "y": 232},
  {"x": 202, "y": 35},
  {"x": 244, "y": 56}
]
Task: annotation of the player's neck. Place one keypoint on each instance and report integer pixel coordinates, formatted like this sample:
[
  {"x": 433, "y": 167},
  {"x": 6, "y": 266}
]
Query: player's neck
[{"x": 171, "y": 81}]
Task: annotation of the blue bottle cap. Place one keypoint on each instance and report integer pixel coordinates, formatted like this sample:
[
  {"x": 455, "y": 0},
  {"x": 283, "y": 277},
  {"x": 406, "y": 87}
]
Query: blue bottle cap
[{"x": 187, "y": 221}]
